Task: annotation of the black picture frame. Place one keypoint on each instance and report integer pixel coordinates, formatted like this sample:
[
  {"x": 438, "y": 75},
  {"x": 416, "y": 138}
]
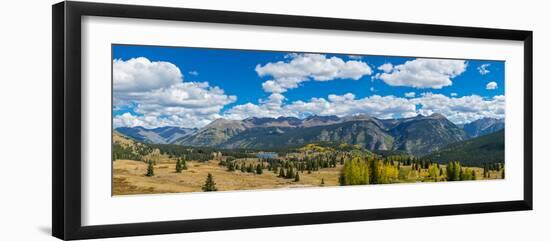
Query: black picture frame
[{"x": 66, "y": 158}]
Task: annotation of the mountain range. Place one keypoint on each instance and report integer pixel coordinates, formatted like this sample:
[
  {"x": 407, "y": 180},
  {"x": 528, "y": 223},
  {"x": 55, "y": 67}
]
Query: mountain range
[
  {"x": 418, "y": 135},
  {"x": 160, "y": 135},
  {"x": 483, "y": 126}
]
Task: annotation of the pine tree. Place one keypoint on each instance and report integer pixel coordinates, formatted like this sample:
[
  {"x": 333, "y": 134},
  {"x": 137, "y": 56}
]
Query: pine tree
[
  {"x": 290, "y": 173},
  {"x": 297, "y": 177},
  {"x": 209, "y": 184},
  {"x": 150, "y": 169},
  {"x": 281, "y": 172},
  {"x": 179, "y": 167},
  {"x": 259, "y": 169},
  {"x": 230, "y": 166}
]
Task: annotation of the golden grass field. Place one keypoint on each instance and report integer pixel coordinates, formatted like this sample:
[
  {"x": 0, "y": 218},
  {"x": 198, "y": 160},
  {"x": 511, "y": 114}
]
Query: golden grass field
[{"x": 129, "y": 177}]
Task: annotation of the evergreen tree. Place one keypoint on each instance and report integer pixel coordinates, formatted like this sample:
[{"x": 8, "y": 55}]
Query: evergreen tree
[
  {"x": 250, "y": 169},
  {"x": 150, "y": 169},
  {"x": 259, "y": 169},
  {"x": 322, "y": 181},
  {"x": 281, "y": 172},
  {"x": 179, "y": 167},
  {"x": 290, "y": 173},
  {"x": 209, "y": 184},
  {"x": 243, "y": 168},
  {"x": 230, "y": 166},
  {"x": 297, "y": 177}
]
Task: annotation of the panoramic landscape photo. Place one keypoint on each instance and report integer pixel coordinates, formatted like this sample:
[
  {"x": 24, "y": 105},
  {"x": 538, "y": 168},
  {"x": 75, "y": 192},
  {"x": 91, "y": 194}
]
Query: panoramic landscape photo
[{"x": 200, "y": 119}]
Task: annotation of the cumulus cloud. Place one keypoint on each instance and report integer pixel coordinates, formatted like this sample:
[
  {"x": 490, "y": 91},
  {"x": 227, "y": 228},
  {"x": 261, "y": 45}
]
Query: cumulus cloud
[
  {"x": 454, "y": 94},
  {"x": 422, "y": 73},
  {"x": 166, "y": 101},
  {"x": 410, "y": 94},
  {"x": 483, "y": 69},
  {"x": 491, "y": 85},
  {"x": 340, "y": 105},
  {"x": 140, "y": 74},
  {"x": 459, "y": 110},
  {"x": 387, "y": 67},
  {"x": 306, "y": 67}
]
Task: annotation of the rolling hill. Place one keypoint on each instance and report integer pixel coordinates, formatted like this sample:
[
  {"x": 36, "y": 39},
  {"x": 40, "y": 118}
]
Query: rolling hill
[{"x": 474, "y": 152}]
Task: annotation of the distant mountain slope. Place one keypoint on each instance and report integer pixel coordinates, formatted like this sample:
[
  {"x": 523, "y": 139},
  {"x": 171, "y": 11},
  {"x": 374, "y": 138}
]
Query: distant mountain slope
[
  {"x": 475, "y": 152},
  {"x": 417, "y": 135},
  {"x": 213, "y": 134},
  {"x": 483, "y": 126},
  {"x": 161, "y": 135},
  {"x": 424, "y": 134},
  {"x": 363, "y": 133}
]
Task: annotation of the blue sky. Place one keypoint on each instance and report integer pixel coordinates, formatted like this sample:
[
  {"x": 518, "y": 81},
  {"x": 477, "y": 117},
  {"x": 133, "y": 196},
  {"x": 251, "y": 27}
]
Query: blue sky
[{"x": 237, "y": 80}]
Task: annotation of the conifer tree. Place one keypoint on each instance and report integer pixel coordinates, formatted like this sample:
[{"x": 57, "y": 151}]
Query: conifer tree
[
  {"x": 281, "y": 172},
  {"x": 179, "y": 167},
  {"x": 297, "y": 177},
  {"x": 150, "y": 169},
  {"x": 209, "y": 184},
  {"x": 290, "y": 173},
  {"x": 259, "y": 169}
]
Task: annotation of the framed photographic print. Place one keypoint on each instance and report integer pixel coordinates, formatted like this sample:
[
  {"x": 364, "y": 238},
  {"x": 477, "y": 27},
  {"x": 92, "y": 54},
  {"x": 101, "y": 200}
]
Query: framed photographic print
[{"x": 170, "y": 120}]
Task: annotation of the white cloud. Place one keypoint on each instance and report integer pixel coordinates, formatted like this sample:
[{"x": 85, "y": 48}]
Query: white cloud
[
  {"x": 140, "y": 74},
  {"x": 410, "y": 94},
  {"x": 164, "y": 101},
  {"x": 423, "y": 73},
  {"x": 387, "y": 67},
  {"x": 195, "y": 73},
  {"x": 454, "y": 94},
  {"x": 306, "y": 67},
  {"x": 491, "y": 85},
  {"x": 340, "y": 105},
  {"x": 483, "y": 69},
  {"x": 459, "y": 110}
]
